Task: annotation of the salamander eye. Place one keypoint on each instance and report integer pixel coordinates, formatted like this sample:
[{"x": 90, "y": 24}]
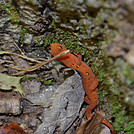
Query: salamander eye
[{"x": 60, "y": 47}]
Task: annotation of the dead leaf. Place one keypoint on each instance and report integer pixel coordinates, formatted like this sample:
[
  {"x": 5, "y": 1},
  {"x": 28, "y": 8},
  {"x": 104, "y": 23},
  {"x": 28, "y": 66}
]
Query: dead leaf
[
  {"x": 8, "y": 82},
  {"x": 93, "y": 125},
  {"x": 12, "y": 128}
]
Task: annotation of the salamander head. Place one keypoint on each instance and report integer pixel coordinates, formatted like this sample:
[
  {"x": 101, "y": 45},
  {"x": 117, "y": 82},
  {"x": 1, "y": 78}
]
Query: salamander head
[{"x": 57, "y": 48}]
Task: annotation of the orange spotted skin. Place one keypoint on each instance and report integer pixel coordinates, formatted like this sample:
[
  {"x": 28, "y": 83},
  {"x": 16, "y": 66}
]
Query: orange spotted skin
[{"x": 89, "y": 80}]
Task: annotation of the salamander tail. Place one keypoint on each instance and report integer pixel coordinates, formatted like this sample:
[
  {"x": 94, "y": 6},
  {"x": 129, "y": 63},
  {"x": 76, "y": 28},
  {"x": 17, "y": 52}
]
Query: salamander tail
[{"x": 108, "y": 125}]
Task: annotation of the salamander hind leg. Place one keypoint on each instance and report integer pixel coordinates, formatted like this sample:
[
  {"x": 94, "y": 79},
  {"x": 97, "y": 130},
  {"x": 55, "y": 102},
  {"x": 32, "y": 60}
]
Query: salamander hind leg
[{"x": 92, "y": 100}]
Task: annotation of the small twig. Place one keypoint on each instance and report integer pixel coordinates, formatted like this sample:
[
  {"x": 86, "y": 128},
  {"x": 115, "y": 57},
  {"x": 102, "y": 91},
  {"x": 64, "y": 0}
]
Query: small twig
[
  {"x": 19, "y": 49},
  {"x": 17, "y": 46}
]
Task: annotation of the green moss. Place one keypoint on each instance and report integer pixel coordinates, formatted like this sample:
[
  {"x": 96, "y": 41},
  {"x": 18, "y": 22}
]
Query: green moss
[
  {"x": 101, "y": 96},
  {"x": 30, "y": 78},
  {"x": 11, "y": 11},
  {"x": 129, "y": 129},
  {"x": 122, "y": 122},
  {"x": 38, "y": 42},
  {"x": 52, "y": 25},
  {"x": 127, "y": 74},
  {"x": 62, "y": 37},
  {"x": 119, "y": 116},
  {"x": 48, "y": 82},
  {"x": 48, "y": 39},
  {"x": 45, "y": 82},
  {"x": 22, "y": 34}
]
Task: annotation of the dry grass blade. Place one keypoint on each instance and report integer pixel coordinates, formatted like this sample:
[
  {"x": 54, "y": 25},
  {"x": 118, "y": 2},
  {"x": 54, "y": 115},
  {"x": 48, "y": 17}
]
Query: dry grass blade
[
  {"x": 24, "y": 57},
  {"x": 40, "y": 64}
]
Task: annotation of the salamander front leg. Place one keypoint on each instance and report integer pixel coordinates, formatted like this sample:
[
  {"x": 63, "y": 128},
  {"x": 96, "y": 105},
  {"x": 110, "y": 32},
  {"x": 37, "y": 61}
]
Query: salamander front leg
[
  {"x": 79, "y": 59},
  {"x": 92, "y": 100}
]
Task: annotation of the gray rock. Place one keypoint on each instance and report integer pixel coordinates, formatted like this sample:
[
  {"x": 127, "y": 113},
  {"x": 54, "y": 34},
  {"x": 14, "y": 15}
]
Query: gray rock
[{"x": 61, "y": 105}]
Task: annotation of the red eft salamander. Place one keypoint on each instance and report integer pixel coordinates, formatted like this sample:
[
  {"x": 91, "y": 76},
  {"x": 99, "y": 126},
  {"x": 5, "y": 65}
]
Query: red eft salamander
[{"x": 89, "y": 80}]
